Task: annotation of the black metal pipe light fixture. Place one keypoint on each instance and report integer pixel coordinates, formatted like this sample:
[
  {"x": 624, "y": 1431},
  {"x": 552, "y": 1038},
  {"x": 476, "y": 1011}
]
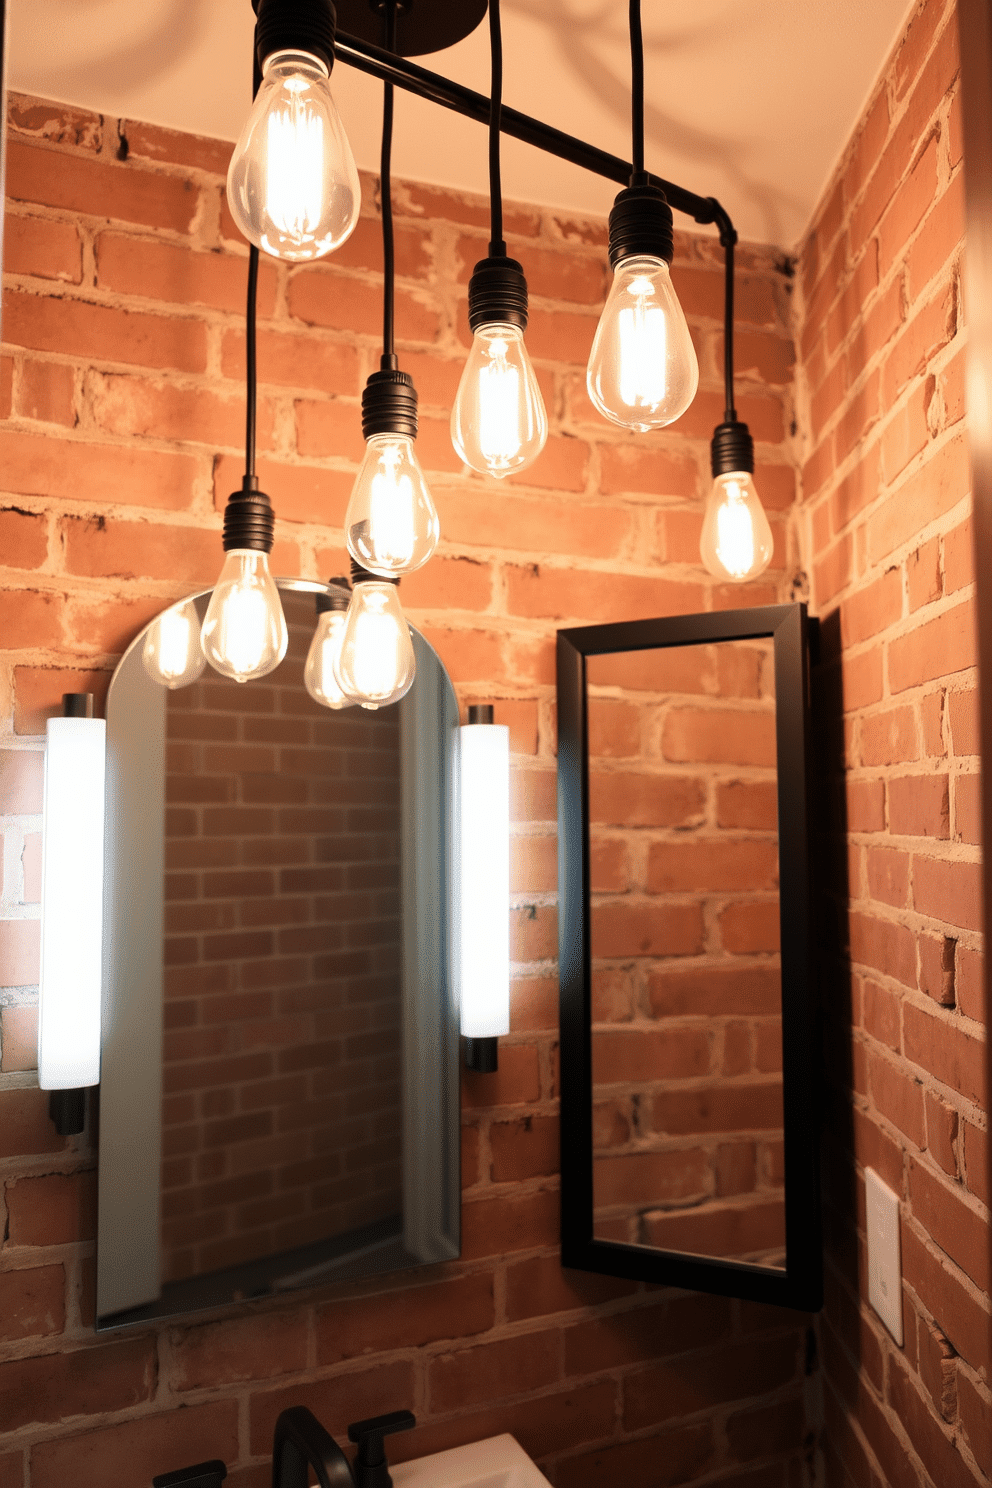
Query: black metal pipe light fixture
[{"x": 294, "y": 192}]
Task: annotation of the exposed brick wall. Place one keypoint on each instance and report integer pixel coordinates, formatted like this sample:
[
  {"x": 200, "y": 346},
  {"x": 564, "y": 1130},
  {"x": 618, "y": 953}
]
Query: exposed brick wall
[
  {"x": 687, "y": 1037},
  {"x": 887, "y": 503},
  {"x": 282, "y": 956},
  {"x": 124, "y": 351}
]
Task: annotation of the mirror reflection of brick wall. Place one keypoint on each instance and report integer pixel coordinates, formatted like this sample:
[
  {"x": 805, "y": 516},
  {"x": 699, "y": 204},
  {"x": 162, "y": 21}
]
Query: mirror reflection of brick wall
[
  {"x": 281, "y": 1106},
  {"x": 687, "y": 1048}
]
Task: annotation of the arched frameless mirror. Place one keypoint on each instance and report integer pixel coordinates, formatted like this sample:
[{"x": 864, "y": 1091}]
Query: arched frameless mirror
[
  {"x": 279, "y": 1085},
  {"x": 687, "y": 991}
]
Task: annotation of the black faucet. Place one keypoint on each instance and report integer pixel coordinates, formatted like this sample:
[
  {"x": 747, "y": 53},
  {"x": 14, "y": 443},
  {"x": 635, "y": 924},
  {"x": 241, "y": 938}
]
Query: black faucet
[
  {"x": 300, "y": 1442},
  {"x": 371, "y": 1467}
]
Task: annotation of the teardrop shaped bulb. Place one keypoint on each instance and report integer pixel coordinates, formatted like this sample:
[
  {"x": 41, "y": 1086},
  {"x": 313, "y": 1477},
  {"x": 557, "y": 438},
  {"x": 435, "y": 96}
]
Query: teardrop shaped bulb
[
  {"x": 172, "y": 654},
  {"x": 498, "y": 422},
  {"x": 736, "y": 541},
  {"x": 391, "y": 522},
  {"x": 244, "y": 631},
  {"x": 642, "y": 371},
  {"x": 292, "y": 185},
  {"x": 376, "y": 665},
  {"x": 318, "y": 674}
]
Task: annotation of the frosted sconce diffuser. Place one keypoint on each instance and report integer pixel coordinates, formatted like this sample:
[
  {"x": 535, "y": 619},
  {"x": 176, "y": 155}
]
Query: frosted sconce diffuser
[
  {"x": 72, "y": 899},
  {"x": 485, "y": 886}
]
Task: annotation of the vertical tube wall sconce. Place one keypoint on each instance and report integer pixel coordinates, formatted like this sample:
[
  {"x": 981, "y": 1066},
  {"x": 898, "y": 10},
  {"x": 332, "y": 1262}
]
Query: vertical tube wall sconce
[
  {"x": 485, "y": 876},
  {"x": 72, "y": 909}
]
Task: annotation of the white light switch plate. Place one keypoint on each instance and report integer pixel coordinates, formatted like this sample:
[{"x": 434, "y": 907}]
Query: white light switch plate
[{"x": 884, "y": 1263}]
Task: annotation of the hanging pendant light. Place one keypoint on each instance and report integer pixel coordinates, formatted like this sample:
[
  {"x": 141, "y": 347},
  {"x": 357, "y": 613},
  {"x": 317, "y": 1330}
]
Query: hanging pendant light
[
  {"x": 736, "y": 542},
  {"x": 375, "y": 663},
  {"x": 292, "y": 185},
  {"x": 319, "y": 677},
  {"x": 498, "y": 422},
  {"x": 642, "y": 371},
  {"x": 391, "y": 524},
  {"x": 244, "y": 631}
]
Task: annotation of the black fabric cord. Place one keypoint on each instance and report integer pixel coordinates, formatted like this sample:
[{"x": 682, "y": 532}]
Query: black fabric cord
[
  {"x": 636, "y": 88},
  {"x": 497, "y": 247},
  {"x": 730, "y": 412},
  {"x": 251, "y": 374},
  {"x": 386, "y": 198}
]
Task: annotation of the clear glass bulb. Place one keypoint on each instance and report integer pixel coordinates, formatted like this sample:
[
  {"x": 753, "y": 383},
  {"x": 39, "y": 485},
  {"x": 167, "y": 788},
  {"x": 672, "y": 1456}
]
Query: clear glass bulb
[
  {"x": 172, "y": 653},
  {"x": 292, "y": 184},
  {"x": 498, "y": 421},
  {"x": 244, "y": 631},
  {"x": 391, "y": 522},
  {"x": 318, "y": 674},
  {"x": 376, "y": 664},
  {"x": 736, "y": 541},
  {"x": 642, "y": 369}
]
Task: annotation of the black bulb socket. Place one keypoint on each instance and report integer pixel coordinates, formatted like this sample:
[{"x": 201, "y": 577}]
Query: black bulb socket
[
  {"x": 641, "y": 225},
  {"x": 731, "y": 449},
  {"x": 389, "y": 404},
  {"x": 338, "y": 598},
  {"x": 497, "y": 294},
  {"x": 360, "y": 575},
  {"x": 294, "y": 26},
  {"x": 249, "y": 521}
]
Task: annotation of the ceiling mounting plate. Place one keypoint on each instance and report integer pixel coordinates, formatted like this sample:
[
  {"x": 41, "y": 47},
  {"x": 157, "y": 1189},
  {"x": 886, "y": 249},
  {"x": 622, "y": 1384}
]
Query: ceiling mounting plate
[{"x": 423, "y": 26}]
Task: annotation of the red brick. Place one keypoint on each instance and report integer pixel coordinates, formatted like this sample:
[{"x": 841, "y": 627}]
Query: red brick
[
  {"x": 646, "y": 1333},
  {"x": 21, "y": 781},
  {"x": 43, "y": 249},
  {"x": 948, "y": 1053},
  {"x": 889, "y": 738},
  {"x": 963, "y": 710},
  {"x": 919, "y": 806},
  {"x": 85, "y": 1381},
  {"x": 959, "y": 558},
  {"x": 296, "y": 360},
  {"x": 20, "y": 950},
  {"x": 949, "y": 892},
  {"x": 936, "y": 649},
  {"x": 491, "y": 1371},
  {"x": 942, "y": 1134},
  {"x": 100, "y": 188},
  {"x": 881, "y": 1014},
  {"x": 646, "y": 929},
  {"x": 900, "y": 1099},
  {"x": 909, "y": 205},
  {"x": 624, "y": 467},
  {"x": 526, "y": 1148},
  {"x": 23, "y": 538},
  {"x": 85, "y": 472},
  {"x": 889, "y": 948},
  {"x": 105, "y": 333},
  {"x": 47, "y": 393},
  {"x": 497, "y": 1226},
  {"x": 975, "y": 1411},
  {"x": 19, "y": 1033},
  {"x": 976, "y": 1155},
  {"x": 675, "y": 1456},
  {"x": 540, "y": 1285},
  {"x": 32, "y": 1302},
  {"x": 327, "y": 297},
  {"x": 969, "y": 983},
  {"x": 300, "y": 493},
  {"x": 136, "y": 1450},
  {"x": 937, "y": 968}
]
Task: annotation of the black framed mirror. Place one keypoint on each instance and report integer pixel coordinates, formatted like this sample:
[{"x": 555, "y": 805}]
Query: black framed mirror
[{"x": 689, "y": 1064}]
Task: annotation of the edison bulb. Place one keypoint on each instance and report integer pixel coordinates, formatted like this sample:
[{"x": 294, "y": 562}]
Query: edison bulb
[
  {"x": 244, "y": 631},
  {"x": 172, "y": 654},
  {"x": 376, "y": 664},
  {"x": 736, "y": 541},
  {"x": 642, "y": 369},
  {"x": 498, "y": 422},
  {"x": 391, "y": 522},
  {"x": 292, "y": 184},
  {"x": 318, "y": 674}
]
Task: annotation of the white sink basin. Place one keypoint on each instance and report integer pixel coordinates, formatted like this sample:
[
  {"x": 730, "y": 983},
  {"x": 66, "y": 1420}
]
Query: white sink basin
[{"x": 497, "y": 1462}]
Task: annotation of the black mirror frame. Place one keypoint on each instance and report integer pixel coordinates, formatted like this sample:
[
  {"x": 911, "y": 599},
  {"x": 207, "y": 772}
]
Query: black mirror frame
[{"x": 800, "y": 1284}]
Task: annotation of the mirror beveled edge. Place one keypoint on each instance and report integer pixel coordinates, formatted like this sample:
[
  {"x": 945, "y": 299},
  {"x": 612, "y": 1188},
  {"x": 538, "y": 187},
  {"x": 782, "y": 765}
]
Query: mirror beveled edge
[
  {"x": 801, "y": 1283},
  {"x": 430, "y": 962}
]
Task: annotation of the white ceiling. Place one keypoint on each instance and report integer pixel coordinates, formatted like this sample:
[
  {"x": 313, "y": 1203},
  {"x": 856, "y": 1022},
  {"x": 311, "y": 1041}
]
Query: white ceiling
[{"x": 750, "y": 101}]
